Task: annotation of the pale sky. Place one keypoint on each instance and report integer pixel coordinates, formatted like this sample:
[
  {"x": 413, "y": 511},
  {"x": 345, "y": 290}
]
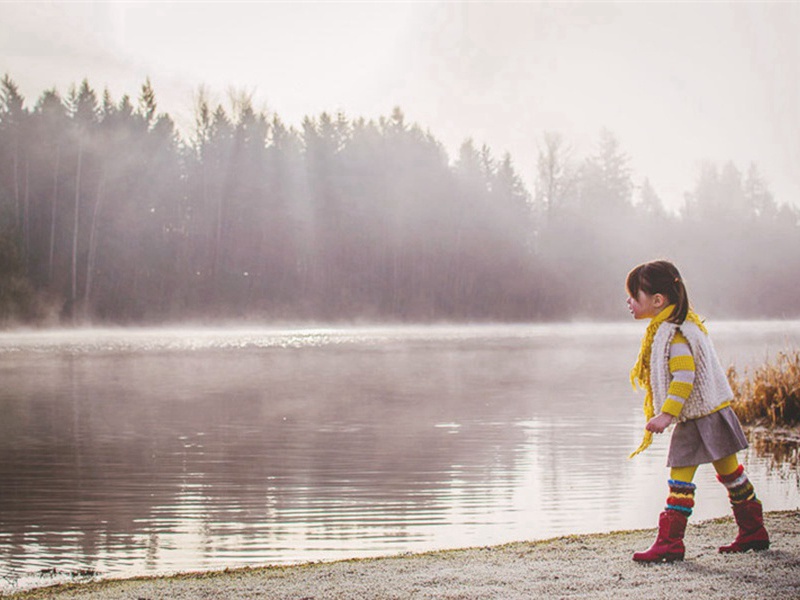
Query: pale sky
[{"x": 677, "y": 83}]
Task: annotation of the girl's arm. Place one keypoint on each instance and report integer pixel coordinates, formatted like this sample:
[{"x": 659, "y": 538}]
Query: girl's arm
[{"x": 682, "y": 370}]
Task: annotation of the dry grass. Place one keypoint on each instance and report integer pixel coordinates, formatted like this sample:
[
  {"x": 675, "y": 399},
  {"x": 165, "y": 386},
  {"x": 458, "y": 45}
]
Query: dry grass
[{"x": 771, "y": 394}]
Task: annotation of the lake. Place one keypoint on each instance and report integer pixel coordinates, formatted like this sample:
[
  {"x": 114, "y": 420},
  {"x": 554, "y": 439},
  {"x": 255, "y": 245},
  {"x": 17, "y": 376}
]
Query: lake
[{"x": 145, "y": 451}]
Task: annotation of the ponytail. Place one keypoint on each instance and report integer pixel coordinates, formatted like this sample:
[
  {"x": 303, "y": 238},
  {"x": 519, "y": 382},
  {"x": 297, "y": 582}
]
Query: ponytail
[{"x": 681, "y": 302}]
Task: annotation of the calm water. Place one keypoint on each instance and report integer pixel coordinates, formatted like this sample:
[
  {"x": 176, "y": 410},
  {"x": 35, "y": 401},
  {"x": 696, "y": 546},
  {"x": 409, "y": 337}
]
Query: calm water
[{"x": 142, "y": 452}]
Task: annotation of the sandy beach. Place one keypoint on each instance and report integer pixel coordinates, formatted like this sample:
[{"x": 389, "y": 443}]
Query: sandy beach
[{"x": 579, "y": 566}]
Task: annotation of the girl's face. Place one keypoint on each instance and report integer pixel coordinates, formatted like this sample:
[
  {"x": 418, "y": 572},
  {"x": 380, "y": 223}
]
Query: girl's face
[{"x": 645, "y": 306}]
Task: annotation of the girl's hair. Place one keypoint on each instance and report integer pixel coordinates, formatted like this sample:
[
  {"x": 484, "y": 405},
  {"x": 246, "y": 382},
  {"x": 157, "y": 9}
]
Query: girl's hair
[{"x": 660, "y": 277}]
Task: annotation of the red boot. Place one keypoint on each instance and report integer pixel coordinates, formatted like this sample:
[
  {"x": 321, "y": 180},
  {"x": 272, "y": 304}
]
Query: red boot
[
  {"x": 752, "y": 535},
  {"x": 669, "y": 543}
]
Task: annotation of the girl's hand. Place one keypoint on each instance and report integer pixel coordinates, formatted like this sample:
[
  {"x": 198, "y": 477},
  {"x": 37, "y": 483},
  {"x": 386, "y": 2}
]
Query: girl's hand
[{"x": 659, "y": 423}]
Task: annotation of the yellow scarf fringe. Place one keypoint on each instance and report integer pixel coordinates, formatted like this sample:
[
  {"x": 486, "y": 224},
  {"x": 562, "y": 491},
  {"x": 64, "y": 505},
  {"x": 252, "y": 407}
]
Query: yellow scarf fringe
[{"x": 640, "y": 373}]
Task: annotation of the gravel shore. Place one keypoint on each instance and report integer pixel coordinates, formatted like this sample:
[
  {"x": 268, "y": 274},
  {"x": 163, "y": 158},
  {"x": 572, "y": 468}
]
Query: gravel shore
[{"x": 579, "y": 566}]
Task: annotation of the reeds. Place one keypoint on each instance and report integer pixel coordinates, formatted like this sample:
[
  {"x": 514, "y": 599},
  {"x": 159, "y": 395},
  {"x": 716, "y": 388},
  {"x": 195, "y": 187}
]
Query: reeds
[{"x": 771, "y": 394}]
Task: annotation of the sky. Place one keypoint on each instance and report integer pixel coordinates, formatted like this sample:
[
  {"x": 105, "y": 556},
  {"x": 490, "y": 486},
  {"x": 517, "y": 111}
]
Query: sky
[{"x": 677, "y": 83}]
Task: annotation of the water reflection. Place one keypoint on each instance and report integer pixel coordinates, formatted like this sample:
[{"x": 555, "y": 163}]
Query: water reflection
[
  {"x": 151, "y": 451},
  {"x": 780, "y": 450}
]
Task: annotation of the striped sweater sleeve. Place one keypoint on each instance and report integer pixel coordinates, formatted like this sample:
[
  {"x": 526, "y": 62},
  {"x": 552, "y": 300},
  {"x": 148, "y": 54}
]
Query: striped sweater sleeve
[{"x": 682, "y": 369}]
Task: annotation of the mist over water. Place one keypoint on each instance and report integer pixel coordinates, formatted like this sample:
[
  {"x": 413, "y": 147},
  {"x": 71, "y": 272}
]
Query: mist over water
[
  {"x": 140, "y": 451},
  {"x": 130, "y": 452}
]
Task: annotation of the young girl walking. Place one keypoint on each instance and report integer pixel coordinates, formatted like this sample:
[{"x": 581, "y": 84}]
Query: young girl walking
[{"x": 685, "y": 384}]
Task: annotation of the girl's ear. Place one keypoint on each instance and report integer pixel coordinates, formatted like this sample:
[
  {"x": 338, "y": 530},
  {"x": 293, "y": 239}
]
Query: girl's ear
[{"x": 659, "y": 300}]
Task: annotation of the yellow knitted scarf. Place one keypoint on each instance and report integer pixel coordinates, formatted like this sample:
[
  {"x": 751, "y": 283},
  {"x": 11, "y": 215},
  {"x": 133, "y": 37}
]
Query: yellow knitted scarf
[{"x": 640, "y": 373}]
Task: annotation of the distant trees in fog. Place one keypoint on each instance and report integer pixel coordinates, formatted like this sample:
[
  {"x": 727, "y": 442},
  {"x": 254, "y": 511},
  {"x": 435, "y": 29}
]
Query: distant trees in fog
[
  {"x": 738, "y": 248},
  {"x": 106, "y": 213}
]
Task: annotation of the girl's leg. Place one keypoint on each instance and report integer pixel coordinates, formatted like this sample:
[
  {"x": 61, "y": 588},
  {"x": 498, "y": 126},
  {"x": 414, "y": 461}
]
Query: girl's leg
[
  {"x": 746, "y": 507},
  {"x": 681, "y": 490},
  {"x": 683, "y": 473},
  {"x": 672, "y": 521},
  {"x": 727, "y": 465},
  {"x": 731, "y": 474}
]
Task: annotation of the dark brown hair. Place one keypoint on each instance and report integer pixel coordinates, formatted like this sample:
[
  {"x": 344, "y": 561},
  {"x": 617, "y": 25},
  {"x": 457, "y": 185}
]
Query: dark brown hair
[{"x": 660, "y": 277}]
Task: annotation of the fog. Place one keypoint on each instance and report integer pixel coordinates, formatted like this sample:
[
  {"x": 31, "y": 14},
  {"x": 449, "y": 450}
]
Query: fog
[
  {"x": 110, "y": 215},
  {"x": 249, "y": 238},
  {"x": 678, "y": 83}
]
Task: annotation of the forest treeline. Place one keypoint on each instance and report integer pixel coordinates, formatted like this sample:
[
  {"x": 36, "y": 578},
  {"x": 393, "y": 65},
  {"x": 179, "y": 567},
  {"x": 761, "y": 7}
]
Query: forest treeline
[{"x": 108, "y": 214}]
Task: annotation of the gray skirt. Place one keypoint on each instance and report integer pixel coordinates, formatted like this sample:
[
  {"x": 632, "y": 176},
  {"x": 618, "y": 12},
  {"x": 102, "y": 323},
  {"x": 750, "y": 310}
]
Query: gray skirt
[{"x": 704, "y": 440}]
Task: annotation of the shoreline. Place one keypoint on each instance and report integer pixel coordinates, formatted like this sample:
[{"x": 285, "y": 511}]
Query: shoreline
[{"x": 576, "y": 566}]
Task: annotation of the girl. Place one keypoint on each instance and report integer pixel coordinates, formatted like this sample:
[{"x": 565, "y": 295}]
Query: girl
[{"x": 684, "y": 383}]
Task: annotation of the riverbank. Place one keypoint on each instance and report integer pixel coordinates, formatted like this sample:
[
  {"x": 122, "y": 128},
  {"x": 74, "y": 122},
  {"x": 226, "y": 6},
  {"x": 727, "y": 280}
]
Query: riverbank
[{"x": 579, "y": 566}]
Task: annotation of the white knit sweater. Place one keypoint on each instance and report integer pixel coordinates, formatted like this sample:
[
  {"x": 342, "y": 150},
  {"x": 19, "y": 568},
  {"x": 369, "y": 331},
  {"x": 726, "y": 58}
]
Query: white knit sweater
[{"x": 711, "y": 387}]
